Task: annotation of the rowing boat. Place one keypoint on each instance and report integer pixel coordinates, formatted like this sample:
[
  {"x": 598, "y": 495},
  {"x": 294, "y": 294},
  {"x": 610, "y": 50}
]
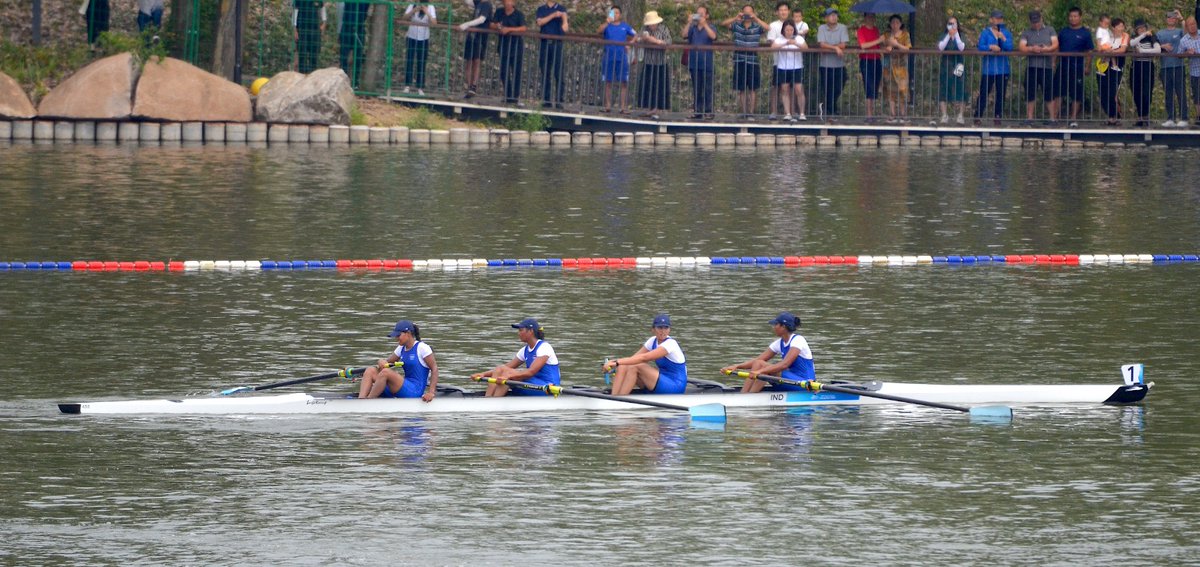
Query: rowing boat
[{"x": 457, "y": 400}]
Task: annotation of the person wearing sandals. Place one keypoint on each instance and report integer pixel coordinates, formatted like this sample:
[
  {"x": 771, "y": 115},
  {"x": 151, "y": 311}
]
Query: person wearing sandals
[{"x": 614, "y": 68}]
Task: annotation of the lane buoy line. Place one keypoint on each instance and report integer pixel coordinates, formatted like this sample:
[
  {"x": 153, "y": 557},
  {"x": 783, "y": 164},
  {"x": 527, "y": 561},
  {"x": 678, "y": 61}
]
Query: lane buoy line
[{"x": 593, "y": 263}]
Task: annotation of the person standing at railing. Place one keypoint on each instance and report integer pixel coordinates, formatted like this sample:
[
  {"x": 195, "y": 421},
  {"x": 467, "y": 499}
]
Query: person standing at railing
[
  {"x": 352, "y": 39},
  {"x": 870, "y": 64},
  {"x": 699, "y": 32},
  {"x": 832, "y": 67},
  {"x": 774, "y": 32},
  {"x": 747, "y": 31},
  {"x": 150, "y": 13},
  {"x": 1039, "y": 69},
  {"x": 510, "y": 22},
  {"x": 95, "y": 15},
  {"x": 421, "y": 16},
  {"x": 476, "y": 42},
  {"x": 1190, "y": 44},
  {"x": 1109, "y": 66},
  {"x": 308, "y": 21},
  {"x": 895, "y": 71},
  {"x": 799, "y": 98},
  {"x": 952, "y": 86},
  {"x": 654, "y": 82},
  {"x": 1068, "y": 78},
  {"x": 614, "y": 67},
  {"x": 789, "y": 69},
  {"x": 1174, "y": 89},
  {"x": 552, "y": 20},
  {"x": 1141, "y": 76},
  {"x": 995, "y": 73}
]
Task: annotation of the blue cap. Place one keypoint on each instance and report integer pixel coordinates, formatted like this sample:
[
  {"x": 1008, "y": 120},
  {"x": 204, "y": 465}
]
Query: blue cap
[
  {"x": 404, "y": 326},
  {"x": 997, "y": 14},
  {"x": 830, "y": 10},
  {"x": 786, "y": 319},
  {"x": 527, "y": 324},
  {"x": 662, "y": 320}
]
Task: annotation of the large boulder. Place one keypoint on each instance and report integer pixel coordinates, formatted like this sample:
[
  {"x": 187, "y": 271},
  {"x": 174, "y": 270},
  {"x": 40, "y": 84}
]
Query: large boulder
[
  {"x": 103, "y": 90},
  {"x": 13, "y": 102},
  {"x": 321, "y": 97},
  {"x": 176, "y": 91}
]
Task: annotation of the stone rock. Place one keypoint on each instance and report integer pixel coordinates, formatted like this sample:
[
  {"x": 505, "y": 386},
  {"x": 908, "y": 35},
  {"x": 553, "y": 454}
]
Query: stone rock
[
  {"x": 102, "y": 90},
  {"x": 321, "y": 97},
  {"x": 176, "y": 91},
  {"x": 13, "y": 102}
]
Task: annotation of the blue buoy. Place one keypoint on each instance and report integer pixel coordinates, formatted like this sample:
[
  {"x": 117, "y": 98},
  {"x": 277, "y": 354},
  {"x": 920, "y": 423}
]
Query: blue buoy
[
  {"x": 5, "y": 265},
  {"x": 940, "y": 259},
  {"x": 510, "y": 262},
  {"x": 1160, "y": 258},
  {"x": 984, "y": 258},
  {"x": 748, "y": 259},
  {"x": 762, "y": 260},
  {"x": 1175, "y": 257},
  {"x": 999, "y": 258},
  {"x": 777, "y": 260},
  {"x": 268, "y": 264},
  {"x": 968, "y": 259},
  {"x": 954, "y": 259},
  {"x": 17, "y": 266},
  {"x": 495, "y": 263},
  {"x": 1190, "y": 257},
  {"x": 555, "y": 261},
  {"x": 718, "y": 260},
  {"x": 541, "y": 262},
  {"x": 65, "y": 266}
]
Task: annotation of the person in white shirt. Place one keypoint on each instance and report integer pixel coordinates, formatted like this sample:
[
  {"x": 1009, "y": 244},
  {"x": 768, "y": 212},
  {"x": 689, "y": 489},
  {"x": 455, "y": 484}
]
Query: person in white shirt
[
  {"x": 668, "y": 374},
  {"x": 789, "y": 70},
  {"x": 421, "y": 16},
  {"x": 774, "y": 30}
]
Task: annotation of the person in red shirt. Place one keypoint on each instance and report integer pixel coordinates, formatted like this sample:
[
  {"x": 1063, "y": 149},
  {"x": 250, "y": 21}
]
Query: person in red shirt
[{"x": 870, "y": 66}]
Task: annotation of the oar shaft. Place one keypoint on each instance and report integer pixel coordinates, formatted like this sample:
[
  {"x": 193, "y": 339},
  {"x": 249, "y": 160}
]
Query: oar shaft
[
  {"x": 814, "y": 386},
  {"x": 556, "y": 390},
  {"x": 343, "y": 373}
]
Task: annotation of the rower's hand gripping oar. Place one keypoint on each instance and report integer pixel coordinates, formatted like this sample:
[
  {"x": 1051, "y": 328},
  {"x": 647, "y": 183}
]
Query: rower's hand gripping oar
[
  {"x": 705, "y": 412},
  {"x": 343, "y": 373},
  {"x": 989, "y": 412}
]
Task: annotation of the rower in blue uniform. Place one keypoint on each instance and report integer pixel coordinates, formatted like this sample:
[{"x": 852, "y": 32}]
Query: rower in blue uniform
[
  {"x": 420, "y": 368},
  {"x": 796, "y": 358},
  {"x": 668, "y": 374},
  {"x": 535, "y": 363}
]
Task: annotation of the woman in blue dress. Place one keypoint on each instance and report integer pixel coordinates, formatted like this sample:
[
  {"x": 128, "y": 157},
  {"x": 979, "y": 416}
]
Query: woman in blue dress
[
  {"x": 535, "y": 363},
  {"x": 419, "y": 366},
  {"x": 668, "y": 374},
  {"x": 796, "y": 360}
]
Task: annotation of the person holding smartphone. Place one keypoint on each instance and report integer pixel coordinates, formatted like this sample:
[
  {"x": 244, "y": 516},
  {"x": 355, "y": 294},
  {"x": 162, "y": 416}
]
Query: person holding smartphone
[
  {"x": 700, "y": 32},
  {"x": 996, "y": 39},
  {"x": 747, "y": 31},
  {"x": 614, "y": 68},
  {"x": 951, "y": 82}
]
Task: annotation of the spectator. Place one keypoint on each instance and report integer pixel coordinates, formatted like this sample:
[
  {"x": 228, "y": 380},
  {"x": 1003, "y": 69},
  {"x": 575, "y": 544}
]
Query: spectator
[
  {"x": 1039, "y": 38},
  {"x": 994, "y": 75},
  {"x": 699, "y": 32},
  {"x": 1141, "y": 77},
  {"x": 952, "y": 86},
  {"x": 308, "y": 21},
  {"x": 421, "y": 16},
  {"x": 510, "y": 22},
  {"x": 95, "y": 13},
  {"x": 654, "y": 82},
  {"x": 1103, "y": 31},
  {"x": 1190, "y": 45},
  {"x": 747, "y": 76},
  {"x": 798, "y": 95},
  {"x": 352, "y": 39},
  {"x": 614, "y": 68},
  {"x": 149, "y": 12},
  {"x": 476, "y": 42},
  {"x": 774, "y": 32},
  {"x": 789, "y": 70},
  {"x": 551, "y": 20},
  {"x": 832, "y": 67},
  {"x": 870, "y": 67},
  {"x": 1114, "y": 41},
  {"x": 895, "y": 73},
  {"x": 1068, "y": 78},
  {"x": 1174, "y": 89}
]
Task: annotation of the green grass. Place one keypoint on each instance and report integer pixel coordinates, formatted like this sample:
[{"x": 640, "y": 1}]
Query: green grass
[
  {"x": 424, "y": 119},
  {"x": 531, "y": 122}
]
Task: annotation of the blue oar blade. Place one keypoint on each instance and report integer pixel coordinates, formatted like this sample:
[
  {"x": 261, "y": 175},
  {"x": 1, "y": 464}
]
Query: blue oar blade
[
  {"x": 992, "y": 413},
  {"x": 714, "y": 413},
  {"x": 237, "y": 390}
]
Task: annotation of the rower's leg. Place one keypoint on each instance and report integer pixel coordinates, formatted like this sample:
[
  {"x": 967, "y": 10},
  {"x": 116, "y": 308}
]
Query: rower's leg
[
  {"x": 647, "y": 375},
  {"x": 623, "y": 380},
  {"x": 752, "y": 386},
  {"x": 368, "y": 378},
  {"x": 499, "y": 390}
]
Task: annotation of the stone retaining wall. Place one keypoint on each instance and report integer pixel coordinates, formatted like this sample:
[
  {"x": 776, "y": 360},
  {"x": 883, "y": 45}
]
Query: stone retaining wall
[{"x": 62, "y": 131}]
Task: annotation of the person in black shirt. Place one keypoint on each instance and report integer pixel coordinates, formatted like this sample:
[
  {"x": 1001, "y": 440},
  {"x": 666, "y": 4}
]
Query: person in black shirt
[
  {"x": 551, "y": 20},
  {"x": 308, "y": 19},
  {"x": 352, "y": 40},
  {"x": 510, "y": 22},
  {"x": 475, "y": 45}
]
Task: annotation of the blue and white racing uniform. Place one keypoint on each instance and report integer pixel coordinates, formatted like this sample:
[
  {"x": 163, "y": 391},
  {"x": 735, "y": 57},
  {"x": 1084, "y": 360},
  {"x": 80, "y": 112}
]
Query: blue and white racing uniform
[
  {"x": 672, "y": 369},
  {"x": 801, "y": 368},
  {"x": 547, "y": 375},
  {"x": 416, "y": 372}
]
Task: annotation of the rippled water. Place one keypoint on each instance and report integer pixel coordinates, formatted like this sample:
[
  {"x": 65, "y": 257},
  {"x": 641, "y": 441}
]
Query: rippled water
[{"x": 1063, "y": 484}]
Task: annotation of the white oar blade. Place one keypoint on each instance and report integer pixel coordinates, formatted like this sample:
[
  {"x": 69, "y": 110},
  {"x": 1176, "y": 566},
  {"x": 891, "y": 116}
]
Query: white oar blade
[
  {"x": 992, "y": 413},
  {"x": 713, "y": 413},
  {"x": 237, "y": 390}
]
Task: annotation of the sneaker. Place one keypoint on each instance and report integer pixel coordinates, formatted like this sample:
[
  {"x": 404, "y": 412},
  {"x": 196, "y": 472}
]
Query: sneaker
[
  {"x": 1181, "y": 124},
  {"x": 421, "y": 92},
  {"x": 959, "y": 120},
  {"x": 945, "y": 118},
  {"x": 1073, "y": 125},
  {"x": 786, "y": 117},
  {"x": 1168, "y": 124},
  {"x": 547, "y": 105},
  {"x": 802, "y": 117},
  {"x": 774, "y": 117},
  {"x": 406, "y": 90}
]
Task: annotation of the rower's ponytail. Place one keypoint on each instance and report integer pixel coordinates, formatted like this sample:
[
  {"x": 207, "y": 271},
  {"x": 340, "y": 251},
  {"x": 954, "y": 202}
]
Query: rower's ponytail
[
  {"x": 540, "y": 333},
  {"x": 416, "y": 332}
]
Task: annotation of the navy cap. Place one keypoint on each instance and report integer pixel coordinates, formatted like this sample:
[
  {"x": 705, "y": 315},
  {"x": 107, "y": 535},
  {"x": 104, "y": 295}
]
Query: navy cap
[
  {"x": 662, "y": 320},
  {"x": 997, "y": 14},
  {"x": 786, "y": 319},
  {"x": 830, "y": 10},
  {"x": 404, "y": 326},
  {"x": 527, "y": 324}
]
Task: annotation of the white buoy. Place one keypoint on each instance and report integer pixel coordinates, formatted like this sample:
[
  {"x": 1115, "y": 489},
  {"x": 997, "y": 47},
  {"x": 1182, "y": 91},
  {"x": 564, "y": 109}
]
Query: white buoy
[
  {"x": 207, "y": 264},
  {"x": 703, "y": 261},
  {"x": 866, "y": 259},
  {"x": 895, "y": 260},
  {"x": 658, "y": 261},
  {"x": 907, "y": 260},
  {"x": 1146, "y": 258},
  {"x": 420, "y": 264},
  {"x": 643, "y": 261},
  {"x": 1086, "y": 259},
  {"x": 433, "y": 263},
  {"x": 220, "y": 264},
  {"x": 237, "y": 264},
  {"x": 479, "y": 262},
  {"x": 924, "y": 259},
  {"x": 253, "y": 265},
  {"x": 191, "y": 265}
]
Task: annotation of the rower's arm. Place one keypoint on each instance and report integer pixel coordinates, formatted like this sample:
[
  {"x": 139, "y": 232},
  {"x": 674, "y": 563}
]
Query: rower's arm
[
  {"x": 643, "y": 355},
  {"x": 782, "y": 365},
  {"x": 765, "y": 356},
  {"x": 534, "y": 368},
  {"x": 431, "y": 389}
]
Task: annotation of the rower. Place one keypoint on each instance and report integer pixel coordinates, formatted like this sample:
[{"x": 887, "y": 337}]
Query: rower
[
  {"x": 538, "y": 358},
  {"x": 420, "y": 368},
  {"x": 668, "y": 374},
  {"x": 796, "y": 363}
]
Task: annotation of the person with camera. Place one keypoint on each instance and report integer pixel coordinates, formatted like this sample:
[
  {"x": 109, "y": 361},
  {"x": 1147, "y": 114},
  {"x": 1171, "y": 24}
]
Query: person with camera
[
  {"x": 747, "y": 31},
  {"x": 995, "y": 39},
  {"x": 699, "y": 33},
  {"x": 1039, "y": 70},
  {"x": 1141, "y": 76},
  {"x": 895, "y": 70},
  {"x": 1109, "y": 68},
  {"x": 421, "y": 15},
  {"x": 952, "y": 86},
  {"x": 614, "y": 68}
]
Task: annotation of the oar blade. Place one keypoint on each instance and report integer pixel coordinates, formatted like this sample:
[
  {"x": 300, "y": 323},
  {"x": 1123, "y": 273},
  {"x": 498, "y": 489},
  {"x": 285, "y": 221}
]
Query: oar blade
[
  {"x": 992, "y": 413},
  {"x": 237, "y": 390},
  {"x": 711, "y": 413}
]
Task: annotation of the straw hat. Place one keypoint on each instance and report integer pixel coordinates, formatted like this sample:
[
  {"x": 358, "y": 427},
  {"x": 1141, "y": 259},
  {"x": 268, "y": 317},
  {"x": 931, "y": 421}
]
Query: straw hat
[{"x": 652, "y": 18}]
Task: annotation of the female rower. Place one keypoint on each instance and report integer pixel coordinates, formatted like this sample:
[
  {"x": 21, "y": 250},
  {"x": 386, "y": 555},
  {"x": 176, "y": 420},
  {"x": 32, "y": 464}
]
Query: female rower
[
  {"x": 796, "y": 363},
  {"x": 537, "y": 356},
  {"x": 668, "y": 374},
  {"x": 420, "y": 368}
]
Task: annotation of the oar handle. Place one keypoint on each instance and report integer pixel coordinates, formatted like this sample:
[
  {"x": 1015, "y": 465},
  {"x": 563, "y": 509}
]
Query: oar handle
[{"x": 814, "y": 386}]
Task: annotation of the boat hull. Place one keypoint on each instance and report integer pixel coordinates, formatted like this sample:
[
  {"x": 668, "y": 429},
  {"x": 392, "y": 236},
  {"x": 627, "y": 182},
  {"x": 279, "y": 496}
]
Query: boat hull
[{"x": 301, "y": 403}]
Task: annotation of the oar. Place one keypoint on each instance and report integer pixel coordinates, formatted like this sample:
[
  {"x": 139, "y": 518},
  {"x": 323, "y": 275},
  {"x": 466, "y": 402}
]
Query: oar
[
  {"x": 713, "y": 412},
  {"x": 990, "y": 412},
  {"x": 343, "y": 373}
]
